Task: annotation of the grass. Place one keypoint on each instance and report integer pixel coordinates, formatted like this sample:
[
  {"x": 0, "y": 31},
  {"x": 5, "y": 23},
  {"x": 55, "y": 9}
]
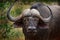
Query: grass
[{"x": 16, "y": 34}]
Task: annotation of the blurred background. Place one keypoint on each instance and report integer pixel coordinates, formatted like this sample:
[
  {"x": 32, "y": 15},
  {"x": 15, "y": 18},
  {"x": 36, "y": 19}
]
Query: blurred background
[{"x": 7, "y": 31}]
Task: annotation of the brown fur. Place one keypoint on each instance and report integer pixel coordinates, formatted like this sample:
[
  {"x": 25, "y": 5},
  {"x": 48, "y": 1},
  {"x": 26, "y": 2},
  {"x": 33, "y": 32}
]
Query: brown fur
[{"x": 55, "y": 23}]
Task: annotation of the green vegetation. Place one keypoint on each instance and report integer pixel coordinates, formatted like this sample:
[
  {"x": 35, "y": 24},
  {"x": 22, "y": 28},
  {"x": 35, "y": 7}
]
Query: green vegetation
[{"x": 7, "y": 30}]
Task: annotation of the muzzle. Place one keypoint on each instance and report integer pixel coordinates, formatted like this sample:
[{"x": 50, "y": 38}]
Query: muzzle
[{"x": 31, "y": 29}]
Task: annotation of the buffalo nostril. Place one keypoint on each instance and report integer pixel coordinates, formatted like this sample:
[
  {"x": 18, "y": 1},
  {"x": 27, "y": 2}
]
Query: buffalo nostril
[{"x": 31, "y": 29}]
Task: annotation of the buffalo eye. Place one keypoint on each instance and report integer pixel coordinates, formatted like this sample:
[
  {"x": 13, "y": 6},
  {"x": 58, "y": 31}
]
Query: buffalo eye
[{"x": 25, "y": 21}]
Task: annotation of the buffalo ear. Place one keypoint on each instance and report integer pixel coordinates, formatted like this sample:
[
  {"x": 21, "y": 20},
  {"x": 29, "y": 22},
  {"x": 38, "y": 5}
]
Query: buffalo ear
[
  {"x": 18, "y": 23},
  {"x": 42, "y": 24}
]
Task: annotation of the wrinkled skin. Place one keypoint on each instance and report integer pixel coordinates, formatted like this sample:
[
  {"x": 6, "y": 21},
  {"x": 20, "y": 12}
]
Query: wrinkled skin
[{"x": 30, "y": 24}]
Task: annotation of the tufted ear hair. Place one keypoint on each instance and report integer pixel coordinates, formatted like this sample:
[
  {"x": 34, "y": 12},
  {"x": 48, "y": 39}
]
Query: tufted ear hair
[
  {"x": 18, "y": 23},
  {"x": 41, "y": 22}
]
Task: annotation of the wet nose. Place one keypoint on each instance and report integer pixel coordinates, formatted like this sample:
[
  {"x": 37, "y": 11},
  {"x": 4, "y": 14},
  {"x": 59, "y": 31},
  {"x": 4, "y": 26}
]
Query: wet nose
[{"x": 32, "y": 29}]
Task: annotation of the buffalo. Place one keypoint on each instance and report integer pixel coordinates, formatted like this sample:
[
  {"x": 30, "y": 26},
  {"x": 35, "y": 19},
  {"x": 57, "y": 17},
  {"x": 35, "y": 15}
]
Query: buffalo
[
  {"x": 54, "y": 24},
  {"x": 39, "y": 22}
]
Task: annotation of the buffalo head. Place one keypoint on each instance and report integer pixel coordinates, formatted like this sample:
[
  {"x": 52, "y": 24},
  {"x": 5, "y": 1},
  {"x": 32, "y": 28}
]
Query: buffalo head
[{"x": 30, "y": 20}]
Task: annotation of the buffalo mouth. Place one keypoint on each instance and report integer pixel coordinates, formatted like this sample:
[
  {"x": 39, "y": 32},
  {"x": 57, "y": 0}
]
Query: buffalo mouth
[{"x": 32, "y": 33}]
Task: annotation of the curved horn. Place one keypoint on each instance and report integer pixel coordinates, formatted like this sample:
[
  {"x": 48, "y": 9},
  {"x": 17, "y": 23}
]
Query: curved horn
[
  {"x": 36, "y": 13},
  {"x": 9, "y": 16},
  {"x": 48, "y": 19},
  {"x": 24, "y": 13}
]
